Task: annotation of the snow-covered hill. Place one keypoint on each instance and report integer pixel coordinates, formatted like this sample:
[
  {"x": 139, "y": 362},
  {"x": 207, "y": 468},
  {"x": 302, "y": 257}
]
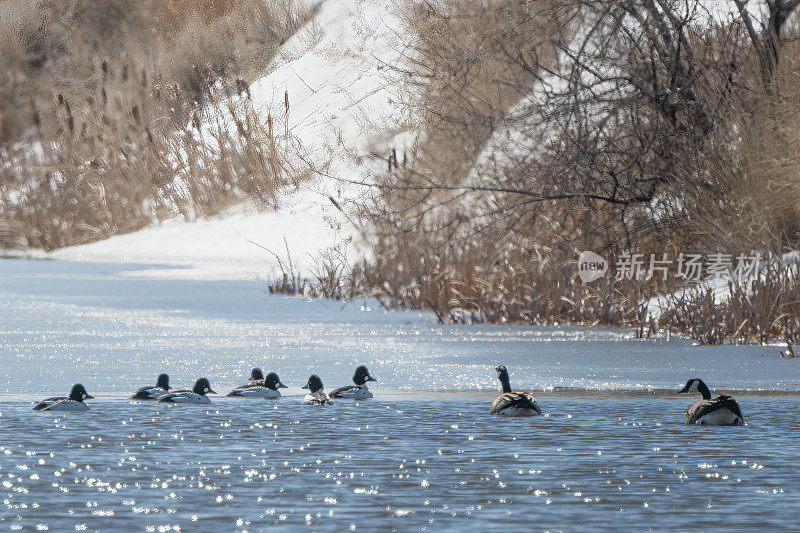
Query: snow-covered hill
[{"x": 333, "y": 73}]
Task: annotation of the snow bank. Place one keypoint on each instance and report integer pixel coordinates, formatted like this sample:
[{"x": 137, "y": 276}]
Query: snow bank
[{"x": 229, "y": 246}]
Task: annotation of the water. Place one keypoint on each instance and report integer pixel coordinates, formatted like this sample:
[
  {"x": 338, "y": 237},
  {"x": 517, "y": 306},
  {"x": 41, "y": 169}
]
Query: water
[
  {"x": 611, "y": 451},
  {"x": 403, "y": 462}
]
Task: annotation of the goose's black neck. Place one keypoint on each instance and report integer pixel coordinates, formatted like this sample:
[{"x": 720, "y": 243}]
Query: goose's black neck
[
  {"x": 702, "y": 388},
  {"x": 504, "y": 380}
]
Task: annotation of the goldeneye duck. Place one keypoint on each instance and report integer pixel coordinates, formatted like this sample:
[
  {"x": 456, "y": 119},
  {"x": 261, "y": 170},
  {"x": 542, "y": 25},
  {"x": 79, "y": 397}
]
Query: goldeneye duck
[
  {"x": 359, "y": 391},
  {"x": 720, "y": 411},
  {"x": 315, "y": 396},
  {"x": 268, "y": 388},
  {"x": 513, "y": 403},
  {"x": 256, "y": 378},
  {"x": 155, "y": 392},
  {"x": 196, "y": 395},
  {"x": 73, "y": 402}
]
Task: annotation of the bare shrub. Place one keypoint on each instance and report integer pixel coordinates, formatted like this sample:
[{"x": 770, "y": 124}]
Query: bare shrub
[{"x": 555, "y": 127}]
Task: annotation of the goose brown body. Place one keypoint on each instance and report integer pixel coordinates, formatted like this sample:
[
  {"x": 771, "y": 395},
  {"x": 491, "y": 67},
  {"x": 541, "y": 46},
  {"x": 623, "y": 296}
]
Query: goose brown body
[{"x": 511, "y": 403}]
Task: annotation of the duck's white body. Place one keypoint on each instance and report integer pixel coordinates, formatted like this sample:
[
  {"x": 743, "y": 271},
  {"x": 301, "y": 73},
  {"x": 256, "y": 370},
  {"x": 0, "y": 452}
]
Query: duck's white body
[
  {"x": 184, "y": 397},
  {"x": 61, "y": 404},
  {"x": 353, "y": 392},
  {"x": 316, "y": 398},
  {"x": 255, "y": 392}
]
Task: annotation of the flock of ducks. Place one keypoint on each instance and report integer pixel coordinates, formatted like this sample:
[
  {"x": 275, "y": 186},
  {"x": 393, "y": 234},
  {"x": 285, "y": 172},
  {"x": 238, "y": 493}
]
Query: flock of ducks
[
  {"x": 258, "y": 386},
  {"x": 720, "y": 411}
]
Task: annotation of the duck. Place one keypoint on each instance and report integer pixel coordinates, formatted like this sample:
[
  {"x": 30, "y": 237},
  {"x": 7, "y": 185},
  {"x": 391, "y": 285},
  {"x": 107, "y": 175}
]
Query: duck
[
  {"x": 73, "y": 402},
  {"x": 720, "y": 411},
  {"x": 267, "y": 388},
  {"x": 196, "y": 395},
  {"x": 154, "y": 392},
  {"x": 315, "y": 395},
  {"x": 513, "y": 403},
  {"x": 256, "y": 378},
  {"x": 359, "y": 391}
]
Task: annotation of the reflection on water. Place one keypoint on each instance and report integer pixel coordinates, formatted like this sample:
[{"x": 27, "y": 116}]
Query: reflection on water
[{"x": 411, "y": 462}]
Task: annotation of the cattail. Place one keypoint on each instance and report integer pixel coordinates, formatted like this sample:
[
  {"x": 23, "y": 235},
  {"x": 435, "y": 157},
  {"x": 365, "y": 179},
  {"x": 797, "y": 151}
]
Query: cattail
[{"x": 70, "y": 120}]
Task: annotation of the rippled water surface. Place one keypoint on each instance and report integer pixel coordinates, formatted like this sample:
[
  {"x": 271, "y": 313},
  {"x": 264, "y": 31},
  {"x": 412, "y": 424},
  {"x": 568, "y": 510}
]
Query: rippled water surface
[
  {"x": 610, "y": 452},
  {"x": 411, "y": 464}
]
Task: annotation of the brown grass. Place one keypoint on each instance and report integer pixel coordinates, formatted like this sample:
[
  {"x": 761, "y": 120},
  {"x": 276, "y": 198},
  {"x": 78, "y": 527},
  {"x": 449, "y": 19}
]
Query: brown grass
[
  {"x": 760, "y": 310},
  {"x": 125, "y": 113}
]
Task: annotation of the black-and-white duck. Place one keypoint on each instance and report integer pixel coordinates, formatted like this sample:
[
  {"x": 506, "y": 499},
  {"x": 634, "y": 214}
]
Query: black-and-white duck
[
  {"x": 513, "y": 403},
  {"x": 315, "y": 395},
  {"x": 359, "y": 391},
  {"x": 196, "y": 395},
  {"x": 720, "y": 411},
  {"x": 73, "y": 402},
  {"x": 256, "y": 378},
  {"x": 153, "y": 392},
  {"x": 268, "y": 388}
]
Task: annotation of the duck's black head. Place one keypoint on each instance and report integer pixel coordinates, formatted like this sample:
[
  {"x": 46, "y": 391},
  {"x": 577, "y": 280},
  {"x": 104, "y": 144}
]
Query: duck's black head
[
  {"x": 78, "y": 393},
  {"x": 163, "y": 382},
  {"x": 274, "y": 382},
  {"x": 314, "y": 384},
  {"x": 202, "y": 387},
  {"x": 502, "y": 375},
  {"x": 696, "y": 385},
  {"x": 256, "y": 374},
  {"x": 362, "y": 376}
]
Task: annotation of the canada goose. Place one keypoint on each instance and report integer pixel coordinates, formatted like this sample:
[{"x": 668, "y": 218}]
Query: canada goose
[
  {"x": 720, "y": 411},
  {"x": 513, "y": 403}
]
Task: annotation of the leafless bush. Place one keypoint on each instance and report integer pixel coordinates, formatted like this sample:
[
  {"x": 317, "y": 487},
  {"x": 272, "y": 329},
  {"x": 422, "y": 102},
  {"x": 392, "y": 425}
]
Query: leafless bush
[{"x": 610, "y": 126}]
